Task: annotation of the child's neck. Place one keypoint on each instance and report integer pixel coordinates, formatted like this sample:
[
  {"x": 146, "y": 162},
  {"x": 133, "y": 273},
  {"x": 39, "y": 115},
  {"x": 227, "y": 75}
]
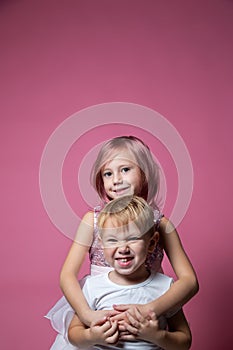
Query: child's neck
[{"x": 136, "y": 277}]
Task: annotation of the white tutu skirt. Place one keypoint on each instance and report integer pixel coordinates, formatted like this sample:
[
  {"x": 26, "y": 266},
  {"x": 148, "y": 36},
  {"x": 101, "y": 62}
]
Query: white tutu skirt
[
  {"x": 60, "y": 317},
  {"x": 62, "y": 313}
]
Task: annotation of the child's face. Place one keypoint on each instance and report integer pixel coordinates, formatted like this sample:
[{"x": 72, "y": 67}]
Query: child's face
[
  {"x": 125, "y": 249},
  {"x": 121, "y": 176}
]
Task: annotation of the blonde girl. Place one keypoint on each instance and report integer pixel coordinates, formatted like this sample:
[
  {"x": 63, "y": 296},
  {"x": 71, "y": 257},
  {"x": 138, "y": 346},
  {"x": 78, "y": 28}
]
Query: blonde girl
[{"x": 124, "y": 166}]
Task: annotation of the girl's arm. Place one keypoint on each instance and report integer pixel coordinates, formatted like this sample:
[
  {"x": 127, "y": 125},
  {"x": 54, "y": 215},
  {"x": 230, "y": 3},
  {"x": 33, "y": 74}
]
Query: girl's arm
[
  {"x": 178, "y": 335},
  {"x": 71, "y": 267},
  {"x": 186, "y": 285}
]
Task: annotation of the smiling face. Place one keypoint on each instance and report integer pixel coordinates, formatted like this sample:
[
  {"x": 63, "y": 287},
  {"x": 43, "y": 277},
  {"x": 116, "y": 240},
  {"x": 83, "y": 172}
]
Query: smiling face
[
  {"x": 121, "y": 176},
  {"x": 126, "y": 249}
]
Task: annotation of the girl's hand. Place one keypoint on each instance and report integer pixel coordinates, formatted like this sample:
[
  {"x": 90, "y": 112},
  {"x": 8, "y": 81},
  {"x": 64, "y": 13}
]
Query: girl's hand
[
  {"x": 131, "y": 308},
  {"x": 140, "y": 327},
  {"x": 95, "y": 316},
  {"x": 104, "y": 332}
]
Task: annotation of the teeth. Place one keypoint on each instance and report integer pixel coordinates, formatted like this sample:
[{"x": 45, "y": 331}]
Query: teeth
[{"x": 124, "y": 260}]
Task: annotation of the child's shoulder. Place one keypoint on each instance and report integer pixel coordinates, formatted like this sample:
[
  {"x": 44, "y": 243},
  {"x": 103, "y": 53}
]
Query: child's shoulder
[
  {"x": 162, "y": 278},
  {"x": 95, "y": 280}
]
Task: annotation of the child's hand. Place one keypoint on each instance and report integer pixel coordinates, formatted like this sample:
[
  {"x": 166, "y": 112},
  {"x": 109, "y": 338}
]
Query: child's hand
[
  {"x": 118, "y": 316},
  {"x": 104, "y": 331},
  {"x": 95, "y": 316},
  {"x": 140, "y": 327},
  {"x": 124, "y": 308}
]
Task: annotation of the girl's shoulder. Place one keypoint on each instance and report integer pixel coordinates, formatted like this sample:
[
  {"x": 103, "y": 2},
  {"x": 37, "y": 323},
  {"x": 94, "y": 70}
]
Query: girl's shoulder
[
  {"x": 166, "y": 225},
  {"x": 157, "y": 217},
  {"x": 84, "y": 234},
  {"x": 88, "y": 217}
]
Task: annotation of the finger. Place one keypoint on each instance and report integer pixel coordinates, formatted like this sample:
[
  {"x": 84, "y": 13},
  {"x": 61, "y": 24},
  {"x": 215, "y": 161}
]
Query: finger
[
  {"x": 113, "y": 328},
  {"x": 131, "y": 329},
  {"x": 119, "y": 316},
  {"x": 112, "y": 334},
  {"x": 112, "y": 313},
  {"x": 121, "y": 307},
  {"x": 130, "y": 337},
  {"x": 152, "y": 315},
  {"x": 121, "y": 327},
  {"x": 105, "y": 326},
  {"x": 120, "y": 322},
  {"x": 124, "y": 333},
  {"x": 138, "y": 316},
  {"x": 134, "y": 322},
  {"x": 113, "y": 339},
  {"x": 99, "y": 322}
]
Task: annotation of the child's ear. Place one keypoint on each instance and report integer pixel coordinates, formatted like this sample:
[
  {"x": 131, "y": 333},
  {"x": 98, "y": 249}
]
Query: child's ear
[{"x": 153, "y": 242}]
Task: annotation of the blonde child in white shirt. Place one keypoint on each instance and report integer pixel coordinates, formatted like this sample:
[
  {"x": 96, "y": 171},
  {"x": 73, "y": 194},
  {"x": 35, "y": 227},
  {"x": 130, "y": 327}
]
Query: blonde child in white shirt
[{"x": 127, "y": 234}]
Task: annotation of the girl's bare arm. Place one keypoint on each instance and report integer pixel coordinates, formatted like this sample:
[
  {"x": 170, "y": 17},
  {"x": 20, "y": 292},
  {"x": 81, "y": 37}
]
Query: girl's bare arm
[
  {"x": 71, "y": 267},
  {"x": 186, "y": 285}
]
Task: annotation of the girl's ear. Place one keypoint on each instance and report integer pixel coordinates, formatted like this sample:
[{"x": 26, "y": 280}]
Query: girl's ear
[{"x": 153, "y": 242}]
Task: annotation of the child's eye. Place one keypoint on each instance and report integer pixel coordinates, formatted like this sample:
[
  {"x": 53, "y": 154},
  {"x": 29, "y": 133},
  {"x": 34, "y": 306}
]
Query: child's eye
[
  {"x": 133, "y": 238},
  {"x": 111, "y": 242},
  {"x": 107, "y": 174},
  {"x": 125, "y": 169}
]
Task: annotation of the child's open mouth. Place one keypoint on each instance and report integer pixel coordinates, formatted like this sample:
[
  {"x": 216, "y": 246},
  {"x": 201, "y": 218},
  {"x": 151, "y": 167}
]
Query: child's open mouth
[{"x": 124, "y": 261}]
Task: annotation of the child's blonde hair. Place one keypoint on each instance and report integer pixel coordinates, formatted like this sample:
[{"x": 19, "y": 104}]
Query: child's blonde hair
[
  {"x": 123, "y": 210},
  {"x": 141, "y": 156}
]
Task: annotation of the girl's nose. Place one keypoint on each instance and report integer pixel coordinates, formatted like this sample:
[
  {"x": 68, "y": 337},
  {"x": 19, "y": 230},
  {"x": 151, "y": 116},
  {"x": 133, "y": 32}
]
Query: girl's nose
[{"x": 117, "y": 178}]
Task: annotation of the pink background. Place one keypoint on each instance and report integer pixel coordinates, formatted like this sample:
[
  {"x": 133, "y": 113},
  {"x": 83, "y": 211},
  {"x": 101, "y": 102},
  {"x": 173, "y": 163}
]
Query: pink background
[{"x": 58, "y": 57}]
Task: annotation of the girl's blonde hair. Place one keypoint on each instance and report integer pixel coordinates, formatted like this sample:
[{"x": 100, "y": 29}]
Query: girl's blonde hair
[
  {"x": 141, "y": 155},
  {"x": 123, "y": 210}
]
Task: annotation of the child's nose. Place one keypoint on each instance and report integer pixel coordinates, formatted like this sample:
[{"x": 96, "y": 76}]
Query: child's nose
[
  {"x": 123, "y": 248},
  {"x": 117, "y": 178}
]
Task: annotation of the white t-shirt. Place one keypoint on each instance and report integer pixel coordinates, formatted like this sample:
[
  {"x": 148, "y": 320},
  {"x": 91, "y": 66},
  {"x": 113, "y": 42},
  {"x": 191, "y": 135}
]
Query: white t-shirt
[{"x": 101, "y": 293}]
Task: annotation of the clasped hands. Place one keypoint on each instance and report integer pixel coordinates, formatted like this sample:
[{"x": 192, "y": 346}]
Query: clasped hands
[{"x": 127, "y": 323}]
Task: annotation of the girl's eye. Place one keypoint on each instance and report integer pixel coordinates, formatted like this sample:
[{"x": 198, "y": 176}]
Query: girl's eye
[
  {"x": 125, "y": 169},
  {"x": 107, "y": 174}
]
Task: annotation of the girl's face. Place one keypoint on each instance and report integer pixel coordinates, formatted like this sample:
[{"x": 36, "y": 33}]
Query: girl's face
[{"x": 121, "y": 176}]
